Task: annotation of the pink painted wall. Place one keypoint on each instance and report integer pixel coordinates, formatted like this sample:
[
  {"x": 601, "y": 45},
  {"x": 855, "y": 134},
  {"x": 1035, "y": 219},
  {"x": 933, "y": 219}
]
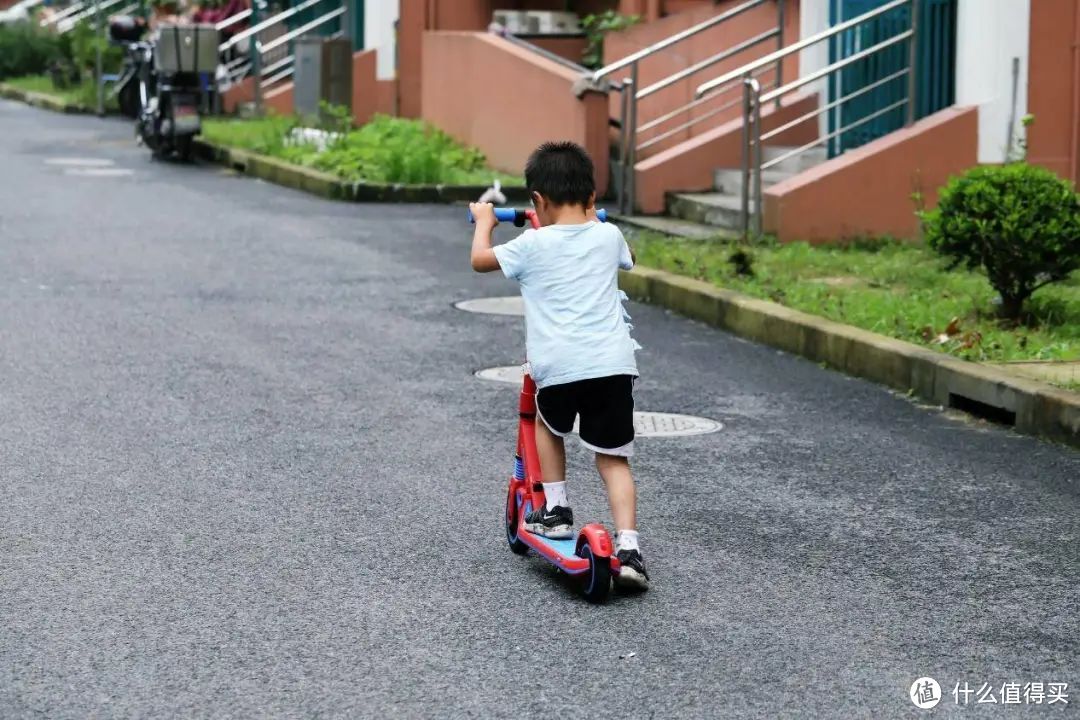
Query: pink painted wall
[
  {"x": 690, "y": 166},
  {"x": 867, "y": 191},
  {"x": 505, "y": 100}
]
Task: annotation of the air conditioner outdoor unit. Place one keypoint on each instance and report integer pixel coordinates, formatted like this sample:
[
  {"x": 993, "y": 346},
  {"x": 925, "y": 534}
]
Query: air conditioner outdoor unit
[
  {"x": 550, "y": 22},
  {"x": 515, "y": 21}
]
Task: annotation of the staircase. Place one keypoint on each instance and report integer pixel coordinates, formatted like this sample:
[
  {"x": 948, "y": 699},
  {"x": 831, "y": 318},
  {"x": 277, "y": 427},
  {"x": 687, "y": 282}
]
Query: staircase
[{"x": 721, "y": 210}]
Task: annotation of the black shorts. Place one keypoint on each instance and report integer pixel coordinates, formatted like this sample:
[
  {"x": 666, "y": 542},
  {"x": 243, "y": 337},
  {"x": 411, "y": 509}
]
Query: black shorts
[{"x": 606, "y": 407}]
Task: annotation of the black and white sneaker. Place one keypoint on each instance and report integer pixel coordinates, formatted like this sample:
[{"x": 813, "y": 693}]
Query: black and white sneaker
[
  {"x": 556, "y": 523},
  {"x": 632, "y": 575}
]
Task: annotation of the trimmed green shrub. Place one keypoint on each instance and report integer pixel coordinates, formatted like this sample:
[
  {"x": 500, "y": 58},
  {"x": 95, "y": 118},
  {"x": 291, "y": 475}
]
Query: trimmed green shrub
[
  {"x": 26, "y": 50},
  {"x": 1019, "y": 223}
]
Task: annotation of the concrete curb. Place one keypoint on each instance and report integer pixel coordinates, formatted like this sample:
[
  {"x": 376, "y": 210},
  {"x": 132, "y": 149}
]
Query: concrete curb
[
  {"x": 332, "y": 187},
  {"x": 42, "y": 100},
  {"x": 1035, "y": 408}
]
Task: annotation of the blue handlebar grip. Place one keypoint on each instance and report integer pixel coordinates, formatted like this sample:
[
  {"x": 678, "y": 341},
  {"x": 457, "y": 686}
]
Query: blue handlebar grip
[{"x": 509, "y": 214}]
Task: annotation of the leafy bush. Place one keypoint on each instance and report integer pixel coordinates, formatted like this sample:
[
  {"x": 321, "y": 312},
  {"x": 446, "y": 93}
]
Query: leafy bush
[
  {"x": 596, "y": 26},
  {"x": 399, "y": 151},
  {"x": 81, "y": 43},
  {"x": 387, "y": 149},
  {"x": 26, "y": 50},
  {"x": 1018, "y": 222}
]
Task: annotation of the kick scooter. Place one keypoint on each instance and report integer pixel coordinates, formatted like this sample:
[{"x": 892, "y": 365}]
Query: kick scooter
[{"x": 591, "y": 554}]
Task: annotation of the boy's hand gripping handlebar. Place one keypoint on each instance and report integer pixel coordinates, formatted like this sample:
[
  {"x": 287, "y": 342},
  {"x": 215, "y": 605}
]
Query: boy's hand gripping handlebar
[{"x": 519, "y": 218}]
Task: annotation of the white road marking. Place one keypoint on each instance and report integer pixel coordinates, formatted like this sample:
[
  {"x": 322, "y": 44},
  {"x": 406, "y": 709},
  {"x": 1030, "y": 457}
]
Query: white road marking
[
  {"x": 98, "y": 172},
  {"x": 80, "y": 162}
]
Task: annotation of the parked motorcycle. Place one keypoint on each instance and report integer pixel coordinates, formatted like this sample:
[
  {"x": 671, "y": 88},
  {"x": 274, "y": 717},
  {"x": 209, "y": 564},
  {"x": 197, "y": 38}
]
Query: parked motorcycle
[
  {"x": 176, "y": 73},
  {"x": 128, "y": 32}
]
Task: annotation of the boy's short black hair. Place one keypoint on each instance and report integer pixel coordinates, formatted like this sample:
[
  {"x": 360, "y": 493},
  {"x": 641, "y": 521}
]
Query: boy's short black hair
[{"x": 562, "y": 172}]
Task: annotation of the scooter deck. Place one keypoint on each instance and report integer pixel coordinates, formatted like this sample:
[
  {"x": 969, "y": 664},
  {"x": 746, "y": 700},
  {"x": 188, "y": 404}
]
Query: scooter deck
[{"x": 562, "y": 552}]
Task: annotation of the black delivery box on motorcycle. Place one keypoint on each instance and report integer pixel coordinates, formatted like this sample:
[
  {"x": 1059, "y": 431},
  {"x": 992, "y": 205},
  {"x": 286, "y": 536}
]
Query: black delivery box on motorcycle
[{"x": 186, "y": 49}]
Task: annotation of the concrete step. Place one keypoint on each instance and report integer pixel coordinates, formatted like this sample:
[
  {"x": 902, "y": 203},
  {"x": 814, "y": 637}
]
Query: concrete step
[
  {"x": 729, "y": 180},
  {"x": 717, "y": 209},
  {"x": 675, "y": 227}
]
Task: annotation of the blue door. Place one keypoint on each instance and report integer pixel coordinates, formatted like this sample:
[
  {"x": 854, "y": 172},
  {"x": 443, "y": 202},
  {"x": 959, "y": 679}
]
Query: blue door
[{"x": 866, "y": 116}]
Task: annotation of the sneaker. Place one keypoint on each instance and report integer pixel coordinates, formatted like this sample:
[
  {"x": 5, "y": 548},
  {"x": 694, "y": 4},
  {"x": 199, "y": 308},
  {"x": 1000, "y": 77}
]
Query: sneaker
[
  {"x": 632, "y": 574},
  {"x": 555, "y": 523}
]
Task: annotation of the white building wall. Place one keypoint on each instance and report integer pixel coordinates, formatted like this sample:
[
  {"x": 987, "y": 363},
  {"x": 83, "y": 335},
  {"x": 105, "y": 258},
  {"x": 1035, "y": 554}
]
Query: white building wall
[
  {"x": 814, "y": 18},
  {"x": 380, "y": 34},
  {"x": 989, "y": 34}
]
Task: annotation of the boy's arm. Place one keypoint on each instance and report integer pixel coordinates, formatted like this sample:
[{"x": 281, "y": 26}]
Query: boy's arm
[{"x": 483, "y": 257}]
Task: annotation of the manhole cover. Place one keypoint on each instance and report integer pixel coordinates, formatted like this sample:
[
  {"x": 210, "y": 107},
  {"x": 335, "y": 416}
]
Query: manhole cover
[
  {"x": 657, "y": 424},
  {"x": 511, "y": 305},
  {"x": 507, "y": 374}
]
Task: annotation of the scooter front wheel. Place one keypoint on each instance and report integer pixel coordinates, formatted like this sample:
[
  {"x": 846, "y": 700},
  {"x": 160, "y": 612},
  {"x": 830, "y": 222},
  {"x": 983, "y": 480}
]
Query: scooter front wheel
[
  {"x": 598, "y": 579},
  {"x": 510, "y": 519}
]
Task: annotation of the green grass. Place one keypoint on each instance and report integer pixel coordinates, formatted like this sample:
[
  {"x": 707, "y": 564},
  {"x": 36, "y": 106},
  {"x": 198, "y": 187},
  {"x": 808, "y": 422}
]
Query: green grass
[
  {"x": 82, "y": 94},
  {"x": 392, "y": 150},
  {"x": 892, "y": 288}
]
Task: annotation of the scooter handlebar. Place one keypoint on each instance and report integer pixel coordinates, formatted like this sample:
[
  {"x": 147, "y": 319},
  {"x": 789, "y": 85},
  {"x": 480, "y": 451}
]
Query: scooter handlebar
[{"x": 517, "y": 216}]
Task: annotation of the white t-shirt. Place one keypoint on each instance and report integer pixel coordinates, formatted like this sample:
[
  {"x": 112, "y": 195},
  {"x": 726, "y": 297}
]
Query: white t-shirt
[{"x": 575, "y": 324}]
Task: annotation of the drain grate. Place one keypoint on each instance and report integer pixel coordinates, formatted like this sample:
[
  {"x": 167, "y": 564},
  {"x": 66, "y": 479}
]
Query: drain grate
[{"x": 511, "y": 305}]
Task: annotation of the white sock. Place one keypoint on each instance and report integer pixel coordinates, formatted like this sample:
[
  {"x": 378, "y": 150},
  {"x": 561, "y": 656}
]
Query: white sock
[
  {"x": 555, "y": 495},
  {"x": 626, "y": 540}
]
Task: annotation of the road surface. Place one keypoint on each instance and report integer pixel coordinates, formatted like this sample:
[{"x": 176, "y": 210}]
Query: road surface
[{"x": 247, "y": 471}]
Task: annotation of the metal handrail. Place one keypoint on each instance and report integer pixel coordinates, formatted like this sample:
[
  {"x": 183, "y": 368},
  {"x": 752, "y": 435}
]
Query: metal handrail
[
  {"x": 707, "y": 62},
  {"x": 277, "y": 42},
  {"x": 631, "y": 94},
  {"x": 782, "y": 53},
  {"x": 71, "y": 21},
  {"x": 835, "y": 133},
  {"x": 838, "y": 65},
  {"x": 268, "y": 22},
  {"x": 61, "y": 14},
  {"x": 691, "y": 105},
  {"x": 830, "y": 106},
  {"x": 753, "y": 139},
  {"x": 689, "y": 123},
  {"x": 674, "y": 39},
  {"x": 233, "y": 19}
]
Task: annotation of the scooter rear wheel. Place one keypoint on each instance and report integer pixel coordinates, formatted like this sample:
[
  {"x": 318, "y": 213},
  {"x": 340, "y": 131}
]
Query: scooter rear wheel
[
  {"x": 597, "y": 583},
  {"x": 510, "y": 519}
]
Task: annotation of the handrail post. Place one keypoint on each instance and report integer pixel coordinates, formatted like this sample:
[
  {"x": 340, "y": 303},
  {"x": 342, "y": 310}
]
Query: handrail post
[
  {"x": 913, "y": 51},
  {"x": 779, "y": 45},
  {"x": 99, "y": 39},
  {"x": 631, "y": 138},
  {"x": 746, "y": 159},
  {"x": 256, "y": 57},
  {"x": 624, "y": 120},
  {"x": 758, "y": 209}
]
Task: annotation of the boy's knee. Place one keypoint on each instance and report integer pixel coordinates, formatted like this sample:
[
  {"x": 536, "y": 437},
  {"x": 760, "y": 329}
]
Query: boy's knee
[{"x": 605, "y": 459}]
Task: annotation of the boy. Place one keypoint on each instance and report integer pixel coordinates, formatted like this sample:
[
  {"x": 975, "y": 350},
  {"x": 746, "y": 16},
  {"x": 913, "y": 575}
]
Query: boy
[{"x": 578, "y": 343}]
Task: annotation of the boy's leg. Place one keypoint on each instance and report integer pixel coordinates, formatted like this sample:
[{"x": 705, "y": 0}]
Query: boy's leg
[
  {"x": 552, "y": 454},
  {"x": 555, "y": 519},
  {"x": 615, "y": 471}
]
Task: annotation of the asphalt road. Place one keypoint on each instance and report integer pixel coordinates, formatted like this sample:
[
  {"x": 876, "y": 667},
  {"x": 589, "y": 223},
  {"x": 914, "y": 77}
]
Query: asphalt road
[{"x": 246, "y": 471}]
